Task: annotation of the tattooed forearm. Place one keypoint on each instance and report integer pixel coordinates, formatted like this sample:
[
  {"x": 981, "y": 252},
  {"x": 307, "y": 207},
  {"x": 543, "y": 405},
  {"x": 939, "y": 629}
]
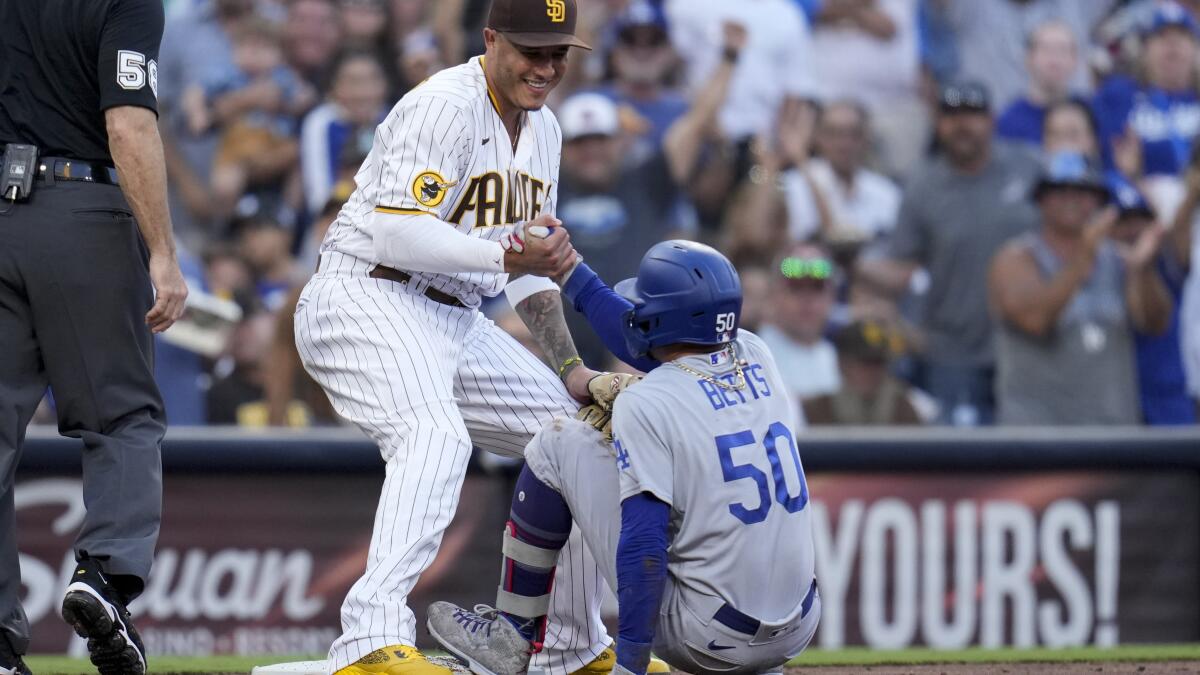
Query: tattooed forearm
[{"x": 543, "y": 314}]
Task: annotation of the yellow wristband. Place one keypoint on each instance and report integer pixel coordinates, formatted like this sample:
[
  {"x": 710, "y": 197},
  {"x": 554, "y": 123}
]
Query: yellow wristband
[{"x": 567, "y": 364}]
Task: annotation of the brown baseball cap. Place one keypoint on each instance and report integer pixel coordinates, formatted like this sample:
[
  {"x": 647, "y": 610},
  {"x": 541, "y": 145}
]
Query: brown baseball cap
[{"x": 536, "y": 23}]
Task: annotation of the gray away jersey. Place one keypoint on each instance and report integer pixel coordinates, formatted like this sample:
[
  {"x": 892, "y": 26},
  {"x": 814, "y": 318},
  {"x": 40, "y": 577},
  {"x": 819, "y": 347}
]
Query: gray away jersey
[{"x": 727, "y": 463}]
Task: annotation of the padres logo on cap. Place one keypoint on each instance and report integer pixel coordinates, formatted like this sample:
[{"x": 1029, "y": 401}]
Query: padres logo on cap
[
  {"x": 429, "y": 188},
  {"x": 556, "y": 10}
]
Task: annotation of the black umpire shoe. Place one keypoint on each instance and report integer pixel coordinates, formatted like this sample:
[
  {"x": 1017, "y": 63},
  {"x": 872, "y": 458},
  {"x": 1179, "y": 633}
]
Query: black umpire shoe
[
  {"x": 93, "y": 609},
  {"x": 10, "y": 660}
]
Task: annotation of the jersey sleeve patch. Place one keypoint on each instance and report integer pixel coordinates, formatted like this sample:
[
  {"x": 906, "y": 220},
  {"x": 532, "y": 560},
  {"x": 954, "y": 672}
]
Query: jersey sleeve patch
[{"x": 429, "y": 188}]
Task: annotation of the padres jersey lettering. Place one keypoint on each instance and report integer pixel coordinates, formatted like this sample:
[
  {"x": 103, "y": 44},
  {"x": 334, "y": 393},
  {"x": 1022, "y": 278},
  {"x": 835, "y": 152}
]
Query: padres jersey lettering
[
  {"x": 521, "y": 194},
  {"x": 443, "y": 151}
]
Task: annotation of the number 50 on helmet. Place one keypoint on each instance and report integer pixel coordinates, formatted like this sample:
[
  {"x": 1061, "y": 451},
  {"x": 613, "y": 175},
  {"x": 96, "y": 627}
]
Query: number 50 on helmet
[{"x": 685, "y": 292}]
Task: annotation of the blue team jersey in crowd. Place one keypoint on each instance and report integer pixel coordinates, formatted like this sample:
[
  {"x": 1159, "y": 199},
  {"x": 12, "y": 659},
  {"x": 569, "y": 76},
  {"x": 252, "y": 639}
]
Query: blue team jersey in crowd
[
  {"x": 1022, "y": 122},
  {"x": 179, "y": 371},
  {"x": 661, "y": 112},
  {"x": 1165, "y": 121},
  {"x": 1161, "y": 378}
]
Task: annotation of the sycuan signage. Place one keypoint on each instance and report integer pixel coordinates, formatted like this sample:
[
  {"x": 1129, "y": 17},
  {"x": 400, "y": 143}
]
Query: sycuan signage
[{"x": 252, "y": 561}]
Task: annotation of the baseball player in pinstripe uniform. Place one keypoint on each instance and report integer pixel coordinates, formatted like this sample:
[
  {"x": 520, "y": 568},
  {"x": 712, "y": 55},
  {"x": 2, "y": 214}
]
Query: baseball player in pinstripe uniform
[
  {"x": 697, "y": 510},
  {"x": 455, "y": 202}
]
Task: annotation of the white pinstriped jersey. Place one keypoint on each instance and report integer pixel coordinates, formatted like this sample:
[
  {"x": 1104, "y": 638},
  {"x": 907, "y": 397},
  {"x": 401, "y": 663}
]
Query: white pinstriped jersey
[{"x": 443, "y": 150}]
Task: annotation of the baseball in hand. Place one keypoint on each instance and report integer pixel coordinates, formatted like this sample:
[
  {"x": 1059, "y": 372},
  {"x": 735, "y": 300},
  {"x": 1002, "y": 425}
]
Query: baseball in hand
[{"x": 537, "y": 229}]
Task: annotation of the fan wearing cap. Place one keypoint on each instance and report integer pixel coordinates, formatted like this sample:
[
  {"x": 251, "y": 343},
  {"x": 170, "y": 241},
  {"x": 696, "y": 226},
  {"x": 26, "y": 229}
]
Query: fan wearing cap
[
  {"x": 614, "y": 204},
  {"x": 957, "y": 210},
  {"x": 802, "y": 291},
  {"x": 1148, "y": 124},
  {"x": 1067, "y": 301},
  {"x": 869, "y": 395},
  {"x": 641, "y": 61},
  {"x": 1162, "y": 380}
]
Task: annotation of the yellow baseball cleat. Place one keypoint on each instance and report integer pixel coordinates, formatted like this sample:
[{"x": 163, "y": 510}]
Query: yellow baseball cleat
[
  {"x": 394, "y": 660},
  {"x": 603, "y": 665}
]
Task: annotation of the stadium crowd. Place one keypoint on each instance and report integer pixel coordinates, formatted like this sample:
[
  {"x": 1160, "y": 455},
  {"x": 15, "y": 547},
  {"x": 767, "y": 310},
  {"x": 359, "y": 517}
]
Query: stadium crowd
[{"x": 914, "y": 191}]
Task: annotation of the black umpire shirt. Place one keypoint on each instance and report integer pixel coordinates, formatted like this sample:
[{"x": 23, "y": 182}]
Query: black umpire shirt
[{"x": 64, "y": 62}]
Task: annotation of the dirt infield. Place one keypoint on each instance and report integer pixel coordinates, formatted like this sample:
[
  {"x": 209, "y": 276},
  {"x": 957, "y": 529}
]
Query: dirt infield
[{"x": 1082, "y": 668}]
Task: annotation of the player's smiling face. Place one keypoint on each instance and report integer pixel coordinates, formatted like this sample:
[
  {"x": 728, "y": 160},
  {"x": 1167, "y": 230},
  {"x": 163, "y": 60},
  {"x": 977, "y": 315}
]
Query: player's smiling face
[{"x": 524, "y": 76}]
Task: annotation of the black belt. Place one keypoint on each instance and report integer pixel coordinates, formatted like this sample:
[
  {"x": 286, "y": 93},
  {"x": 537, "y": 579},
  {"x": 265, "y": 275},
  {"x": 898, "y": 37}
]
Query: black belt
[
  {"x": 76, "y": 169},
  {"x": 381, "y": 272},
  {"x": 731, "y": 618}
]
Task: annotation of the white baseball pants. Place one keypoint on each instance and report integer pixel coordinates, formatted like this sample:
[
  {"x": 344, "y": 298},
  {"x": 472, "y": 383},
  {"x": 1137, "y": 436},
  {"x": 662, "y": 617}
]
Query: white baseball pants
[{"x": 426, "y": 381}]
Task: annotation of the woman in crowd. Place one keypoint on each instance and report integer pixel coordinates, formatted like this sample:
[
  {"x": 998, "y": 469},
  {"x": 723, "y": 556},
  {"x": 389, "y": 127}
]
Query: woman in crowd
[{"x": 357, "y": 101}]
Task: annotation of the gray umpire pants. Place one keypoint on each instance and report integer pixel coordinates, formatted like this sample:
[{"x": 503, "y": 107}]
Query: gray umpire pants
[{"x": 74, "y": 291}]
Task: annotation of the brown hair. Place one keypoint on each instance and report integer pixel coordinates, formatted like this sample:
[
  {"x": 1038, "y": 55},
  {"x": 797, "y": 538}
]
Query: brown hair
[{"x": 254, "y": 28}]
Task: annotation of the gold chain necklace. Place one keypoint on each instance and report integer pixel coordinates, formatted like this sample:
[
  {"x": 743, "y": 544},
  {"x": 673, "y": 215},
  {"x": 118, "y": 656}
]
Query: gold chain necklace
[{"x": 739, "y": 376}]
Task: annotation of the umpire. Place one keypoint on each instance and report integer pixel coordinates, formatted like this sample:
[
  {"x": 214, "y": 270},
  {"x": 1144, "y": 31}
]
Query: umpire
[{"x": 84, "y": 235}]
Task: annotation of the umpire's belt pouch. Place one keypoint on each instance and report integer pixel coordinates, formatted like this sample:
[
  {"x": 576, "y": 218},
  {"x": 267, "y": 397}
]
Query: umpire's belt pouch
[{"x": 17, "y": 171}]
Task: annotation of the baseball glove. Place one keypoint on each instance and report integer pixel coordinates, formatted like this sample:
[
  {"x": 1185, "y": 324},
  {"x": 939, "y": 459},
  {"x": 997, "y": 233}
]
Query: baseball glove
[
  {"x": 597, "y": 418},
  {"x": 605, "y": 387}
]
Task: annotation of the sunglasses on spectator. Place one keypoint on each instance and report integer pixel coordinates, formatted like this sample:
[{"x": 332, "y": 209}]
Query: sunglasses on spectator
[{"x": 806, "y": 268}]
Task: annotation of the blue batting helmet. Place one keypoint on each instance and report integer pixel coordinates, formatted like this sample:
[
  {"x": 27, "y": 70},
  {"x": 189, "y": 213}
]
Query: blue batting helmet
[{"x": 684, "y": 292}]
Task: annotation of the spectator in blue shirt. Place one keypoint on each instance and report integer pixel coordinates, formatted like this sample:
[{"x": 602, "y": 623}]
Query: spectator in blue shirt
[
  {"x": 357, "y": 102},
  {"x": 180, "y": 372},
  {"x": 811, "y": 8},
  {"x": 1051, "y": 57},
  {"x": 1147, "y": 125},
  {"x": 935, "y": 35},
  {"x": 1162, "y": 382},
  {"x": 641, "y": 61}
]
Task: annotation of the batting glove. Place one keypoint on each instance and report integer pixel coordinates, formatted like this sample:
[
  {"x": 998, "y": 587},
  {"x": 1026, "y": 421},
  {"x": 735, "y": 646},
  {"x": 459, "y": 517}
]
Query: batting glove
[{"x": 605, "y": 387}]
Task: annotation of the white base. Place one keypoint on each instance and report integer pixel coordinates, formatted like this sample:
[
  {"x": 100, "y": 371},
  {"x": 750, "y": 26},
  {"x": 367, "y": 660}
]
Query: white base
[{"x": 293, "y": 668}]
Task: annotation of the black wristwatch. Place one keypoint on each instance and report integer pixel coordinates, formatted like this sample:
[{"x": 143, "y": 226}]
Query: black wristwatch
[{"x": 731, "y": 54}]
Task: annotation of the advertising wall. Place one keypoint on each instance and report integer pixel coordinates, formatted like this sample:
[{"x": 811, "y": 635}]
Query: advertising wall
[
  {"x": 1023, "y": 559},
  {"x": 253, "y": 560}
]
